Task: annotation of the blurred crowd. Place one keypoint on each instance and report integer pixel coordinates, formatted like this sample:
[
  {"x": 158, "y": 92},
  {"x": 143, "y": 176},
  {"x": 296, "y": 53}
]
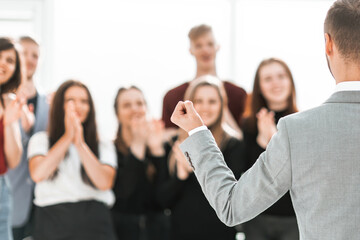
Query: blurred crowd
[{"x": 58, "y": 180}]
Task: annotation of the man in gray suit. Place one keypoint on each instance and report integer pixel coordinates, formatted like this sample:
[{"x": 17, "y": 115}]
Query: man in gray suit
[
  {"x": 315, "y": 154},
  {"x": 34, "y": 119}
]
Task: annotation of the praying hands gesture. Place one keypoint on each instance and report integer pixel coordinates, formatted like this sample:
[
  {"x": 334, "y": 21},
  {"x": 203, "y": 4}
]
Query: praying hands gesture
[
  {"x": 42, "y": 167},
  {"x": 69, "y": 120},
  {"x": 100, "y": 175},
  {"x": 73, "y": 127}
]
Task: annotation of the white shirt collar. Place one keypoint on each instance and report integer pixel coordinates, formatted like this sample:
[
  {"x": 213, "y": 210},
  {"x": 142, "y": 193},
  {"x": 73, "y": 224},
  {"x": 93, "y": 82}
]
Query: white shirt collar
[{"x": 348, "y": 86}]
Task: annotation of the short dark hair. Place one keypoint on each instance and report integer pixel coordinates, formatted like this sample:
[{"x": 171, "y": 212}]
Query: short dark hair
[
  {"x": 342, "y": 23},
  {"x": 199, "y": 31},
  {"x": 13, "y": 83},
  {"x": 28, "y": 39}
]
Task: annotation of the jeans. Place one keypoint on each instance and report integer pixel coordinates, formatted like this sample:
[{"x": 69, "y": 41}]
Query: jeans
[
  {"x": 26, "y": 231},
  {"x": 5, "y": 208}
]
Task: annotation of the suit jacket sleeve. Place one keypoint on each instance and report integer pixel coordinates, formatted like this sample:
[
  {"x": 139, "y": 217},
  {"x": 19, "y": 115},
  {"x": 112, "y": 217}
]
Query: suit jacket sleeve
[{"x": 257, "y": 189}]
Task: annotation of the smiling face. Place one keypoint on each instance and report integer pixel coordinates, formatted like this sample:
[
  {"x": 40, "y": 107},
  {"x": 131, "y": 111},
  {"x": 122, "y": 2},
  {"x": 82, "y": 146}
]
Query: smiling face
[
  {"x": 7, "y": 65},
  {"x": 207, "y": 103},
  {"x": 31, "y": 56},
  {"x": 80, "y": 98},
  {"x": 130, "y": 105},
  {"x": 275, "y": 85},
  {"x": 204, "y": 50}
]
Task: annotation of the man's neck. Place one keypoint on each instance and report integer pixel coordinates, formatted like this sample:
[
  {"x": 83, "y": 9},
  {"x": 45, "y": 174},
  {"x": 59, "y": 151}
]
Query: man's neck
[
  {"x": 202, "y": 72},
  {"x": 29, "y": 88},
  {"x": 348, "y": 72}
]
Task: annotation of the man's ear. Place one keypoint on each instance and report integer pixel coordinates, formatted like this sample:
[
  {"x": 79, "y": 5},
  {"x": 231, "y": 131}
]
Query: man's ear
[
  {"x": 329, "y": 45},
  {"x": 191, "y": 51},
  {"x": 217, "y": 47}
]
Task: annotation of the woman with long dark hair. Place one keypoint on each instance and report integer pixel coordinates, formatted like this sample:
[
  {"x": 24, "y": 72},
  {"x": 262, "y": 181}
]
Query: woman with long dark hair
[
  {"x": 192, "y": 216},
  {"x": 139, "y": 145},
  {"x": 73, "y": 171},
  {"x": 273, "y": 97},
  {"x": 10, "y": 138}
]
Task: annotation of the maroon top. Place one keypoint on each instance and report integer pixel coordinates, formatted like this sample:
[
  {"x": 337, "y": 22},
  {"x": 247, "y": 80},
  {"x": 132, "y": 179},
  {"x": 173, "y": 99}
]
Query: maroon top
[
  {"x": 236, "y": 101},
  {"x": 3, "y": 167}
]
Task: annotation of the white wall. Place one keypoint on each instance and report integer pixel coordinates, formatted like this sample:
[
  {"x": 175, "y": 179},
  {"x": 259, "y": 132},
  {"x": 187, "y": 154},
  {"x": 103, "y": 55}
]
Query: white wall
[
  {"x": 112, "y": 43},
  {"x": 109, "y": 44},
  {"x": 292, "y": 31}
]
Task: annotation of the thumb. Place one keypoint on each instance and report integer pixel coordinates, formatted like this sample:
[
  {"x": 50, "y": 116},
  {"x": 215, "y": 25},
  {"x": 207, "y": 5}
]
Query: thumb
[
  {"x": 189, "y": 108},
  {"x": 192, "y": 113},
  {"x": 179, "y": 111}
]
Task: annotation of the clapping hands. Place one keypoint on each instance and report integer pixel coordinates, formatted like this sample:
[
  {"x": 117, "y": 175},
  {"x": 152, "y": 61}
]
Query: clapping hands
[
  {"x": 155, "y": 138},
  {"x": 13, "y": 110},
  {"x": 266, "y": 127},
  {"x": 73, "y": 126},
  {"x": 147, "y": 133},
  {"x": 182, "y": 165}
]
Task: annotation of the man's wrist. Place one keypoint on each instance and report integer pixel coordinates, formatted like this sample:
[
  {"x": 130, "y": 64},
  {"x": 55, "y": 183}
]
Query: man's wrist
[{"x": 198, "y": 129}]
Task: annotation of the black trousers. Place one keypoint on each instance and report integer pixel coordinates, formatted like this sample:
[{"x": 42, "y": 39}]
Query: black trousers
[
  {"x": 85, "y": 220},
  {"x": 153, "y": 226},
  {"x": 265, "y": 227}
]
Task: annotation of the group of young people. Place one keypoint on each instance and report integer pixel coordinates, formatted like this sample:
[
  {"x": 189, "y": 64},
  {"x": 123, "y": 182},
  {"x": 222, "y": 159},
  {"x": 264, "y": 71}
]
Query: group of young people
[{"x": 59, "y": 181}]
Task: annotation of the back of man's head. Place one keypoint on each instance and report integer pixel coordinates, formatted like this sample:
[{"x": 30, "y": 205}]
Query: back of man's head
[
  {"x": 199, "y": 31},
  {"x": 342, "y": 23}
]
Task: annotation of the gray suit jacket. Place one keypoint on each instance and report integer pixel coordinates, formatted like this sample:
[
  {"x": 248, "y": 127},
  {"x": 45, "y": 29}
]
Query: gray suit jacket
[
  {"x": 315, "y": 154},
  {"x": 22, "y": 186}
]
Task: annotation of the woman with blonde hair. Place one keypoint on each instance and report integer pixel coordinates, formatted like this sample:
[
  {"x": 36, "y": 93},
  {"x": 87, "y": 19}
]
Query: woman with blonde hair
[{"x": 192, "y": 216}]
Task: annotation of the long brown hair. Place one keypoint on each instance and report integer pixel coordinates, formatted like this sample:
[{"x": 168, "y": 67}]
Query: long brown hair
[
  {"x": 57, "y": 124},
  {"x": 119, "y": 140},
  {"x": 13, "y": 83},
  {"x": 257, "y": 99}
]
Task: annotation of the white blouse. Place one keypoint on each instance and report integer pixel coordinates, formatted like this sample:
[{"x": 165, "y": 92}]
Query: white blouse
[{"x": 68, "y": 185}]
